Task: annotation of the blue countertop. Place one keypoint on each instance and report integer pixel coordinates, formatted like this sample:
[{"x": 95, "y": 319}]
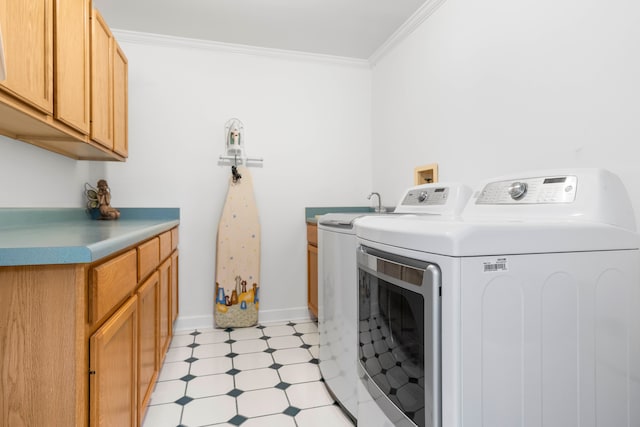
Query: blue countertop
[{"x": 35, "y": 236}]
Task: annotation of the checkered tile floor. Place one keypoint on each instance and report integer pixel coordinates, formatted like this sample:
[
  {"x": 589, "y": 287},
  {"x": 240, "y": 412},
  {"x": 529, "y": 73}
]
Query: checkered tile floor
[{"x": 260, "y": 376}]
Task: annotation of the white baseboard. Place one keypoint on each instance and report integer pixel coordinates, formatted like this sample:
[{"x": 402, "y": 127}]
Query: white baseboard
[
  {"x": 184, "y": 323},
  {"x": 291, "y": 314}
]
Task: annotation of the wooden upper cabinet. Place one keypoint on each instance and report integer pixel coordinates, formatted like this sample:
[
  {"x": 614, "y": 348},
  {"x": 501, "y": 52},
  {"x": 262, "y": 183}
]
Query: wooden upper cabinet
[
  {"x": 120, "y": 102},
  {"x": 72, "y": 73},
  {"x": 66, "y": 83},
  {"x": 109, "y": 88},
  {"x": 101, "y": 81},
  {"x": 27, "y": 31}
]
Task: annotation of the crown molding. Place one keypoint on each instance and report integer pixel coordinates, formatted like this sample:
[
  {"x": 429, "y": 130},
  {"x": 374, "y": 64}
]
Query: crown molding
[
  {"x": 181, "y": 42},
  {"x": 410, "y": 25}
]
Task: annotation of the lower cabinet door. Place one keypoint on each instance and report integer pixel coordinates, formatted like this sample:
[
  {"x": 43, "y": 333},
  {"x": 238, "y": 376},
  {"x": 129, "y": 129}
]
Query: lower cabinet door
[
  {"x": 174, "y": 288},
  {"x": 113, "y": 350},
  {"x": 165, "y": 309},
  {"x": 148, "y": 317},
  {"x": 312, "y": 279}
]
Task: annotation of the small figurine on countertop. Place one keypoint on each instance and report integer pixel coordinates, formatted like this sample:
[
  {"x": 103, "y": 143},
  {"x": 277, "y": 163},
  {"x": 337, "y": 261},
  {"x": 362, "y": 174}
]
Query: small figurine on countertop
[{"x": 104, "y": 201}]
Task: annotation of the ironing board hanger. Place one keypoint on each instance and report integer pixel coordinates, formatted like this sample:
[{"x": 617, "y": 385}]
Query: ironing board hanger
[{"x": 234, "y": 146}]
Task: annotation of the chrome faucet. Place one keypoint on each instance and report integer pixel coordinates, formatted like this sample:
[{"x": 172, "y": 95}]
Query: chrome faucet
[{"x": 379, "y": 209}]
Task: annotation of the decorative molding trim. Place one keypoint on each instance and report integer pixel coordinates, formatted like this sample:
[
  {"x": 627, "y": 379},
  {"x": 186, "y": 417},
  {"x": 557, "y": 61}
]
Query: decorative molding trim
[
  {"x": 264, "y": 317},
  {"x": 420, "y": 15},
  {"x": 181, "y": 42}
]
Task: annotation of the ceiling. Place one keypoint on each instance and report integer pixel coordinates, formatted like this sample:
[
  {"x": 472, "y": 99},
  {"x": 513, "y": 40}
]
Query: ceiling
[{"x": 348, "y": 28}]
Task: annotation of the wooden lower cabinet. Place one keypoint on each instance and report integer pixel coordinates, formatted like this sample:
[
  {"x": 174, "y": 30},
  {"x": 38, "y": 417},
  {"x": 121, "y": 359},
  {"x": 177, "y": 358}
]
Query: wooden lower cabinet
[
  {"x": 312, "y": 268},
  {"x": 148, "y": 360},
  {"x": 164, "y": 309},
  {"x": 113, "y": 369},
  {"x": 82, "y": 344},
  {"x": 312, "y": 290},
  {"x": 174, "y": 288},
  {"x": 44, "y": 360}
]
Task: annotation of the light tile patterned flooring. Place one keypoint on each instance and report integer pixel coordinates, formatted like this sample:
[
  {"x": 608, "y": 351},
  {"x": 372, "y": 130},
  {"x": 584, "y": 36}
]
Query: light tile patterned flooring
[{"x": 261, "y": 376}]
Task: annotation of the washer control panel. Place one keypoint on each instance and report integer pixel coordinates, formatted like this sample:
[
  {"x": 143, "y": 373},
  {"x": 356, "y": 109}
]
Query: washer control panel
[
  {"x": 426, "y": 196},
  {"x": 539, "y": 190}
]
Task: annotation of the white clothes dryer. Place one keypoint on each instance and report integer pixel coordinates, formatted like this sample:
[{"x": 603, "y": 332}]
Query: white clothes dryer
[
  {"x": 338, "y": 282},
  {"x": 524, "y": 312}
]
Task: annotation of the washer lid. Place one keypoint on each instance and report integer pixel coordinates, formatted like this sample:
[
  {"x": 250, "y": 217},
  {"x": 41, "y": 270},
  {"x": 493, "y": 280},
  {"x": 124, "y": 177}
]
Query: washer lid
[
  {"x": 479, "y": 238},
  {"x": 339, "y": 220}
]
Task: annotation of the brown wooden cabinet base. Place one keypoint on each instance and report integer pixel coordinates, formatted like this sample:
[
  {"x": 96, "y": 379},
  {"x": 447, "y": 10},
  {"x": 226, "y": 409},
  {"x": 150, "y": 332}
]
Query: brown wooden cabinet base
[
  {"x": 44, "y": 359},
  {"x": 61, "y": 335},
  {"x": 312, "y": 268}
]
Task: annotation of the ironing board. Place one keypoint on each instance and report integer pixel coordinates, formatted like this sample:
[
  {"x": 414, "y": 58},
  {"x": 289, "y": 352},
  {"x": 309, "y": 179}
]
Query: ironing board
[{"x": 238, "y": 256}]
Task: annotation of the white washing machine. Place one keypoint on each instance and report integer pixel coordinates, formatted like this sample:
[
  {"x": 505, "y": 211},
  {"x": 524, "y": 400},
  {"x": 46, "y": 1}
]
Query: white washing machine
[
  {"x": 526, "y": 312},
  {"x": 338, "y": 282},
  {"x": 337, "y": 306}
]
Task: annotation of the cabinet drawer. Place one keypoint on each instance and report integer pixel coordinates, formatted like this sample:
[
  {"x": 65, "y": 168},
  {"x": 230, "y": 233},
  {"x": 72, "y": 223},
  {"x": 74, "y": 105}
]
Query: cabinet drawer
[
  {"x": 148, "y": 257},
  {"x": 174, "y": 239},
  {"x": 165, "y": 245},
  {"x": 312, "y": 234},
  {"x": 111, "y": 283}
]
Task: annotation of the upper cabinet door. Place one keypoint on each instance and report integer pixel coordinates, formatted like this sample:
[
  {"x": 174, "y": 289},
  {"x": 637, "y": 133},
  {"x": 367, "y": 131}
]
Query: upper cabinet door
[
  {"x": 27, "y": 31},
  {"x": 120, "y": 102},
  {"x": 72, "y": 79},
  {"x": 101, "y": 81}
]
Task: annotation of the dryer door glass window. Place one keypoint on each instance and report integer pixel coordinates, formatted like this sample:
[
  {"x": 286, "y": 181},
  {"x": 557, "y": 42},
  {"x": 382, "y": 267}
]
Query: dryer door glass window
[{"x": 391, "y": 348}]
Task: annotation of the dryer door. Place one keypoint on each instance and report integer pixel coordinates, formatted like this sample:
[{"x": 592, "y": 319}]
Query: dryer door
[{"x": 399, "y": 334}]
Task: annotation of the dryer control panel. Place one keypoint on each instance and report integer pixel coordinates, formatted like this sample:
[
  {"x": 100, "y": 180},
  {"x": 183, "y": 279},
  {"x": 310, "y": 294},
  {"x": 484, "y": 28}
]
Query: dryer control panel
[
  {"x": 426, "y": 196},
  {"x": 538, "y": 190},
  {"x": 553, "y": 195},
  {"x": 442, "y": 199}
]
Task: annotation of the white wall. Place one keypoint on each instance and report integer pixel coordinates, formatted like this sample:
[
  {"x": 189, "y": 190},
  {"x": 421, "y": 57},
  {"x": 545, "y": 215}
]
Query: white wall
[
  {"x": 494, "y": 87},
  {"x": 482, "y": 88},
  {"x": 308, "y": 118},
  {"x": 33, "y": 177}
]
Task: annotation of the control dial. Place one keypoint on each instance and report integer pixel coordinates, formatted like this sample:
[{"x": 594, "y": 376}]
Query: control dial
[
  {"x": 517, "y": 190},
  {"x": 422, "y": 196}
]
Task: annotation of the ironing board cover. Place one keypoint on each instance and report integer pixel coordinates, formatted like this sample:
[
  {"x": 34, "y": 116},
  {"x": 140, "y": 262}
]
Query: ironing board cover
[{"x": 238, "y": 257}]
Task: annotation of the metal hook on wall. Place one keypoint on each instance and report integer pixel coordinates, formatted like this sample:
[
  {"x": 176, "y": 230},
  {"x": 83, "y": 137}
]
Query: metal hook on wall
[{"x": 235, "y": 174}]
